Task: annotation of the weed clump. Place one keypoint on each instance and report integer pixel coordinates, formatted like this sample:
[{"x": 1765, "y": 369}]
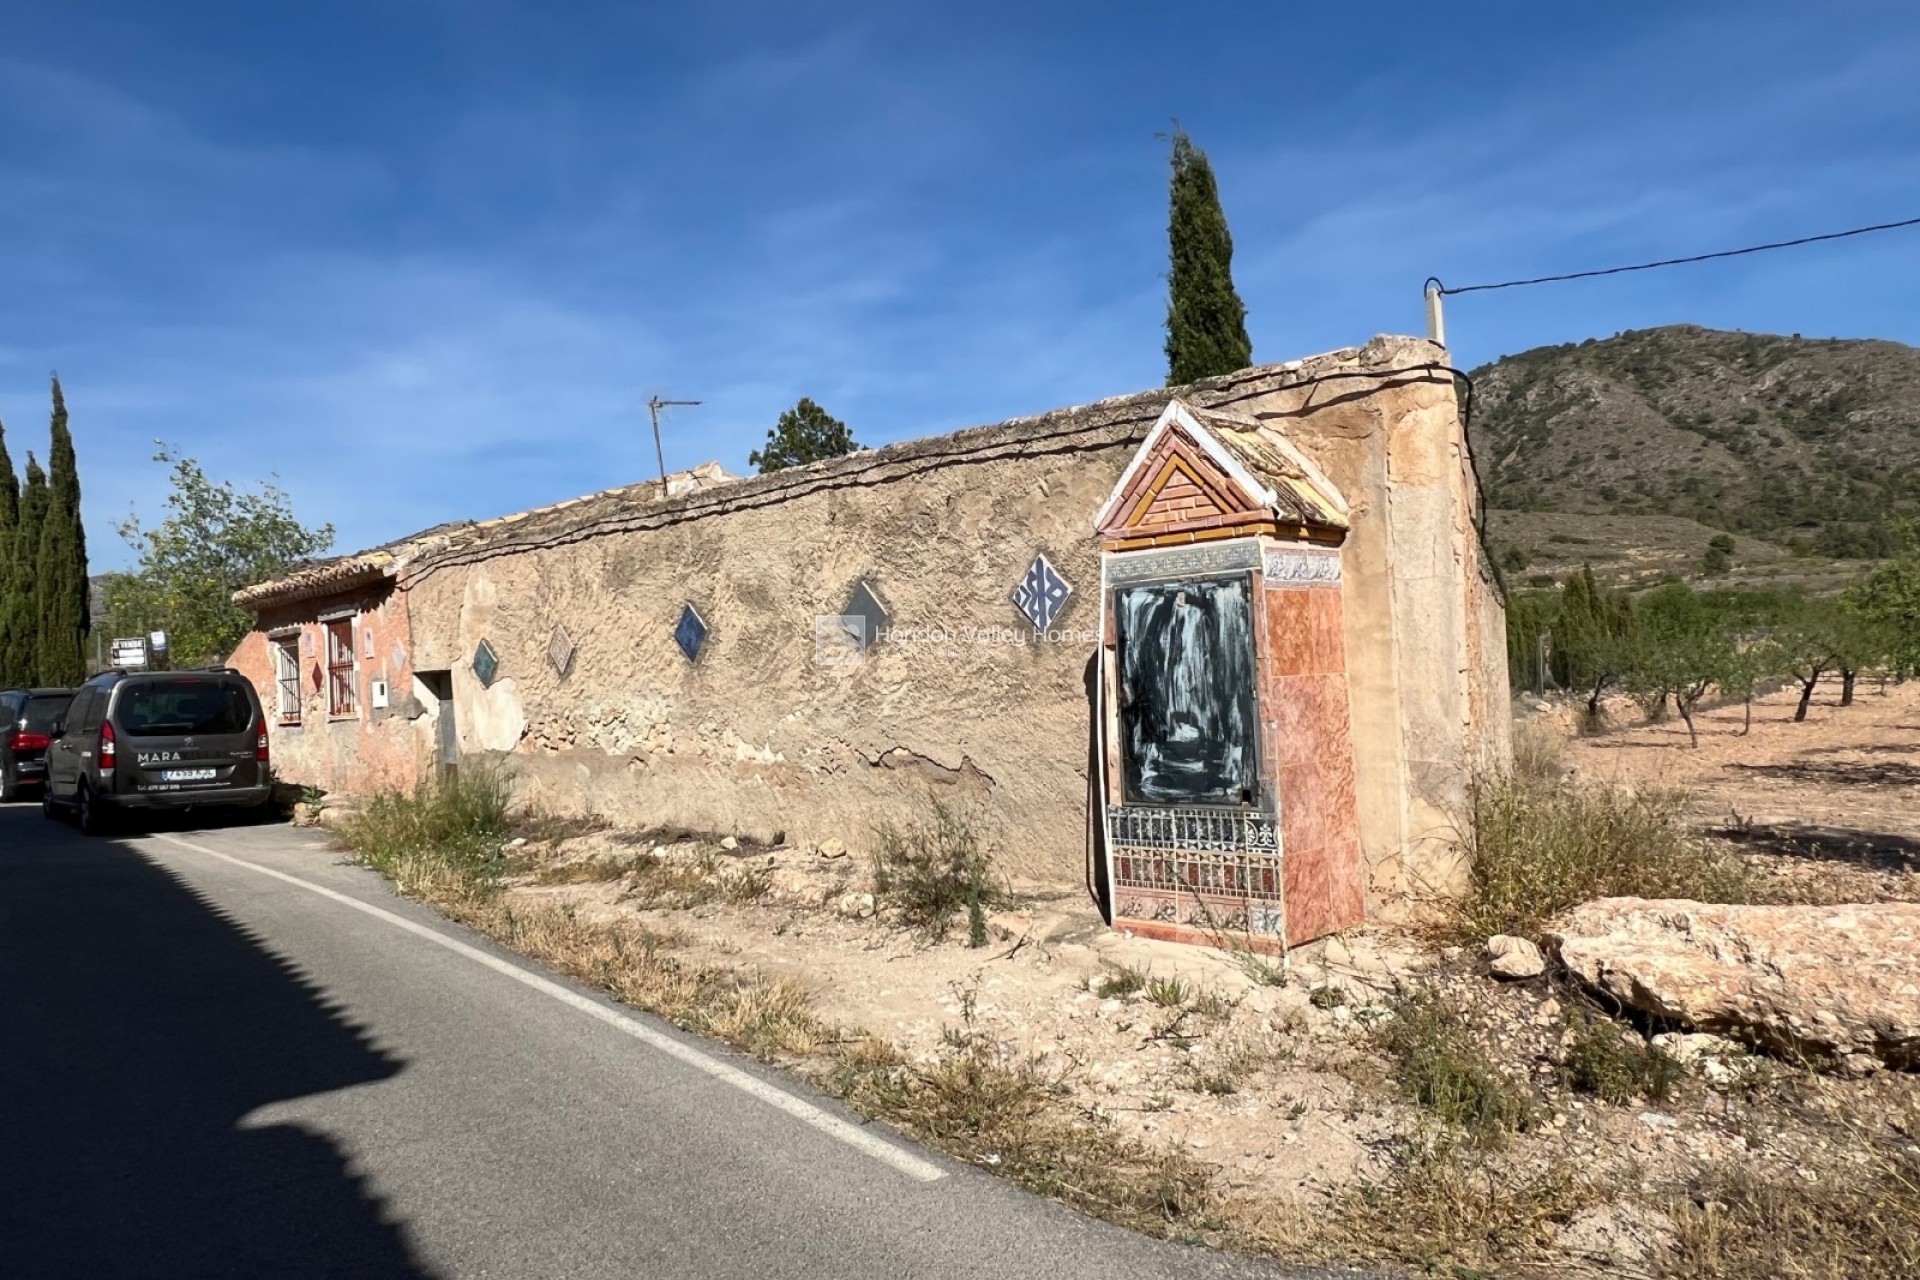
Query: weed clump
[
  {"x": 933, "y": 869},
  {"x": 1437, "y": 1065},
  {"x": 1615, "y": 1065},
  {"x": 1537, "y": 848},
  {"x": 448, "y": 834},
  {"x": 1123, "y": 981}
]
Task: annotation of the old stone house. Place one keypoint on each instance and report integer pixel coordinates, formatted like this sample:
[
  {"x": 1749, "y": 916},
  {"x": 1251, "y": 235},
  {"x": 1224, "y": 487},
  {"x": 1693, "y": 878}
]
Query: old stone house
[{"x": 806, "y": 654}]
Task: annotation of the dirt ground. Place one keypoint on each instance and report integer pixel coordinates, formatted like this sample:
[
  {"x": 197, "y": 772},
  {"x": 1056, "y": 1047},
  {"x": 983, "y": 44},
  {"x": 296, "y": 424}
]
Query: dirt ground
[
  {"x": 1833, "y": 800},
  {"x": 1273, "y": 1074}
]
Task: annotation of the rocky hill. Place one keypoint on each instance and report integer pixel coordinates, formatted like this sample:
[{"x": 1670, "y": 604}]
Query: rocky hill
[{"x": 1806, "y": 444}]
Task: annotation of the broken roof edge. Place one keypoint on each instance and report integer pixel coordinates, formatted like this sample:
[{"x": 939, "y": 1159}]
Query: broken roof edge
[{"x": 421, "y": 554}]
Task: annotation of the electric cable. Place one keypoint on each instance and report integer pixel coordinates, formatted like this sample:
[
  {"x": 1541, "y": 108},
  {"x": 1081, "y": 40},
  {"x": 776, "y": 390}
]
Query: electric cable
[{"x": 1444, "y": 291}]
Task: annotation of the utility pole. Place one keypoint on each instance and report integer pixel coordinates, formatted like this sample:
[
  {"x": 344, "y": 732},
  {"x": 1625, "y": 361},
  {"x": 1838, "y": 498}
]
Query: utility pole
[
  {"x": 654, "y": 405},
  {"x": 1436, "y": 312}
]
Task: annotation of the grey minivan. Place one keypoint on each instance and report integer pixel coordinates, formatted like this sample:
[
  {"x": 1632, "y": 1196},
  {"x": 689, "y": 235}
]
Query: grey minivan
[{"x": 157, "y": 740}]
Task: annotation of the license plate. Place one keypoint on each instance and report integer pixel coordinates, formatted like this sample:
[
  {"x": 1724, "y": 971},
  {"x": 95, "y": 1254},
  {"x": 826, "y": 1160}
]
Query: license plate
[{"x": 188, "y": 775}]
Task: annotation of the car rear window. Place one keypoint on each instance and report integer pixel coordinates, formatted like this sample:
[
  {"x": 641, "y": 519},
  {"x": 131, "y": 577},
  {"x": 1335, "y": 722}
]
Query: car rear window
[
  {"x": 160, "y": 708},
  {"x": 40, "y": 713}
]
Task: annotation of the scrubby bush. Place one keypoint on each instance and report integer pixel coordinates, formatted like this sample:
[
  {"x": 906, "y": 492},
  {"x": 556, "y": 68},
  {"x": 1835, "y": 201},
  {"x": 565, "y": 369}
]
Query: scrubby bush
[
  {"x": 451, "y": 829},
  {"x": 933, "y": 868},
  {"x": 1537, "y": 848},
  {"x": 1614, "y": 1064},
  {"x": 1437, "y": 1065}
]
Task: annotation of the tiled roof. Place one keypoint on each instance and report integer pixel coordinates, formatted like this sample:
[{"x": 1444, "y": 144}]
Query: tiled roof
[{"x": 707, "y": 490}]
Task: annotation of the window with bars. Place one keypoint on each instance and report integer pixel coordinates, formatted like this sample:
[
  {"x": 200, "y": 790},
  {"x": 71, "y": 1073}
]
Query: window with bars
[
  {"x": 342, "y": 686},
  {"x": 286, "y": 674}
]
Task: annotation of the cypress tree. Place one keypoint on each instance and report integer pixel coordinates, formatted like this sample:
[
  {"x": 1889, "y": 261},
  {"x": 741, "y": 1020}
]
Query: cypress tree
[
  {"x": 22, "y": 621},
  {"x": 60, "y": 572},
  {"x": 10, "y": 674},
  {"x": 1206, "y": 321}
]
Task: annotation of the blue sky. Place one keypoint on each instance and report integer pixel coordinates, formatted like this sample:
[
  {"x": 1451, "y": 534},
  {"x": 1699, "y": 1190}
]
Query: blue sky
[{"x": 425, "y": 260}]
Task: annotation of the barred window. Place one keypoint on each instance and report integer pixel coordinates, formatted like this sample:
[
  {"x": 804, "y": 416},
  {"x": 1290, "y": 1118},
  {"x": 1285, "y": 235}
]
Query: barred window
[
  {"x": 286, "y": 674},
  {"x": 342, "y": 685}
]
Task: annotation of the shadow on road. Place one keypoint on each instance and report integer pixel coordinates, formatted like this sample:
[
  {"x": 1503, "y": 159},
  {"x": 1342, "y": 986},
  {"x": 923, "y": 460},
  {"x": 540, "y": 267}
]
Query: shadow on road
[{"x": 138, "y": 1025}]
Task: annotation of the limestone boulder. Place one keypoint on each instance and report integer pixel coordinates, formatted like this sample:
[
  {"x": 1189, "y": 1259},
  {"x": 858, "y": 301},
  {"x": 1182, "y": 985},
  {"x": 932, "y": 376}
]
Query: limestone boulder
[
  {"x": 1840, "y": 981},
  {"x": 1510, "y": 957}
]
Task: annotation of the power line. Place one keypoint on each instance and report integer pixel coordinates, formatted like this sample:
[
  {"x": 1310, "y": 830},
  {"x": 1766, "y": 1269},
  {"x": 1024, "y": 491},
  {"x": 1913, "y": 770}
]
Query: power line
[{"x": 1671, "y": 262}]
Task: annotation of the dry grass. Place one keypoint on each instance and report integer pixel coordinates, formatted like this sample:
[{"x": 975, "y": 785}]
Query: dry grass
[
  {"x": 1860, "y": 1220},
  {"x": 1441, "y": 1210},
  {"x": 1538, "y": 848},
  {"x": 1007, "y": 1114}
]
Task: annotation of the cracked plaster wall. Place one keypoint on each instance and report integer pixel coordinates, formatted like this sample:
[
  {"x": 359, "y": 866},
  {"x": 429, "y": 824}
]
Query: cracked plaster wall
[{"x": 756, "y": 738}]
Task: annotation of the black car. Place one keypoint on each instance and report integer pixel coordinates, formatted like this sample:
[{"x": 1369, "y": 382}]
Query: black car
[
  {"x": 26, "y": 727},
  {"x": 158, "y": 740}
]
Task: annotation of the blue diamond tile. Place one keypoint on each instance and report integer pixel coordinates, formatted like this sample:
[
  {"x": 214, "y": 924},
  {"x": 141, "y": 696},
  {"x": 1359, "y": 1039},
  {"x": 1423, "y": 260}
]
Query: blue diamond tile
[
  {"x": 691, "y": 634},
  {"x": 486, "y": 665},
  {"x": 1042, "y": 594}
]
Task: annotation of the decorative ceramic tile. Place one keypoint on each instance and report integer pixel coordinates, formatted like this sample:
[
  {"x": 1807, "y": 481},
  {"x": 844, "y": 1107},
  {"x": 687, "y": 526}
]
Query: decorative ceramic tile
[
  {"x": 1042, "y": 594},
  {"x": 560, "y": 652},
  {"x": 486, "y": 665},
  {"x": 1302, "y": 568},
  {"x": 691, "y": 633},
  {"x": 865, "y": 606},
  {"x": 1178, "y": 562}
]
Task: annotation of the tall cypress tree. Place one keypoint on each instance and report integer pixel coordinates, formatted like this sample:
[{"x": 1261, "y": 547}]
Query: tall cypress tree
[
  {"x": 10, "y": 672},
  {"x": 22, "y": 615},
  {"x": 1206, "y": 321},
  {"x": 60, "y": 571}
]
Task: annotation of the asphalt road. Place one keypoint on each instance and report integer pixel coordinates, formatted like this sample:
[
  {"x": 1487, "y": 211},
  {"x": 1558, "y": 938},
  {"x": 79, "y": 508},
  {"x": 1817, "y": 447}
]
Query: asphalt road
[{"x": 209, "y": 1069}]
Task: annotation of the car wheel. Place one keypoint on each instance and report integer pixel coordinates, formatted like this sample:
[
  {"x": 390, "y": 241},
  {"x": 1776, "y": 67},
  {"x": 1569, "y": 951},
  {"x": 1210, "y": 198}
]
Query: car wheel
[
  {"x": 9, "y": 785},
  {"x": 95, "y": 815}
]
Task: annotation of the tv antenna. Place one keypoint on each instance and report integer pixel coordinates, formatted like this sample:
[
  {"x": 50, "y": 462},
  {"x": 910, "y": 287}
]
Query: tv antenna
[{"x": 654, "y": 405}]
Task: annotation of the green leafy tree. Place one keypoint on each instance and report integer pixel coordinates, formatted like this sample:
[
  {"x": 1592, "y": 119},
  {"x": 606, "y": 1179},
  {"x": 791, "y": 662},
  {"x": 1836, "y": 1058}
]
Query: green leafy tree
[
  {"x": 60, "y": 564},
  {"x": 1889, "y": 599},
  {"x": 1592, "y": 637},
  {"x": 22, "y": 619},
  {"x": 215, "y": 539},
  {"x": 805, "y": 433},
  {"x": 1810, "y": 638},
  {"x": 1206, "y": 321},
  {"x": 10, "y": 672},
  {"x": 1678, "y": 651}
]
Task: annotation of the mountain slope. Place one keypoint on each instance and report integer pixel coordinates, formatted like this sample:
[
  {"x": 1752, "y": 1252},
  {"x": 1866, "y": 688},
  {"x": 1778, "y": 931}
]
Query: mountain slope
[{"x": 1811, "y": 443}]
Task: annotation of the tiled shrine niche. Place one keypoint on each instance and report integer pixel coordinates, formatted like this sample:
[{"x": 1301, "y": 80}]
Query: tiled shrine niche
[{"x": 1226, "y": 748}]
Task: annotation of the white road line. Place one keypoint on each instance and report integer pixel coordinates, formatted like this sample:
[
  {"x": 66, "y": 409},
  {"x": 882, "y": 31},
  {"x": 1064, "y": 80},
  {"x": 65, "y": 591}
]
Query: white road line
[{"x": 833, "y": 1126}]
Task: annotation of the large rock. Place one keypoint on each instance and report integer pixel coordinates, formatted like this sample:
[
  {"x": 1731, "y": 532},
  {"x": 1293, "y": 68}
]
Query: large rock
[{"x": 1841, "y": 981}]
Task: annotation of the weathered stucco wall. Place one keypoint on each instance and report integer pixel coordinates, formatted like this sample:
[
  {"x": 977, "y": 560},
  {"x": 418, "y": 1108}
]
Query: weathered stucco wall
[
  {"x": 757, "y": 737},
  {"x": 374, "y": 748},
  {"x": 964, "y": 703}
]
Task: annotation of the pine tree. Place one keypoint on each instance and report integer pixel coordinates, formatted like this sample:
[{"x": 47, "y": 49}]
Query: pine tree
[
  {"x": 10, "y": 673},
  {"x": 805, "y": 433},
  {"x": 22, "y": 619},
  {"x": 1206, "y": 321},
  {"x": 60, "y": 568}
]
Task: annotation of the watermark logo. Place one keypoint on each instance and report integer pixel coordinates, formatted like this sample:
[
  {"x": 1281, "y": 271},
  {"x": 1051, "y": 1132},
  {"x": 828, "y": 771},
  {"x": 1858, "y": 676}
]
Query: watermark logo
[{"x": 839, "y": 639}]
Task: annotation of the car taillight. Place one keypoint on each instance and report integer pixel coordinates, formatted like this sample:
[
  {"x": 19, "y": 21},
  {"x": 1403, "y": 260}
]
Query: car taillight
[
  {"x": 260, "y": 748},
  {"x": 109, "y": 750},
  {"x": 24, "y": 741}
]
